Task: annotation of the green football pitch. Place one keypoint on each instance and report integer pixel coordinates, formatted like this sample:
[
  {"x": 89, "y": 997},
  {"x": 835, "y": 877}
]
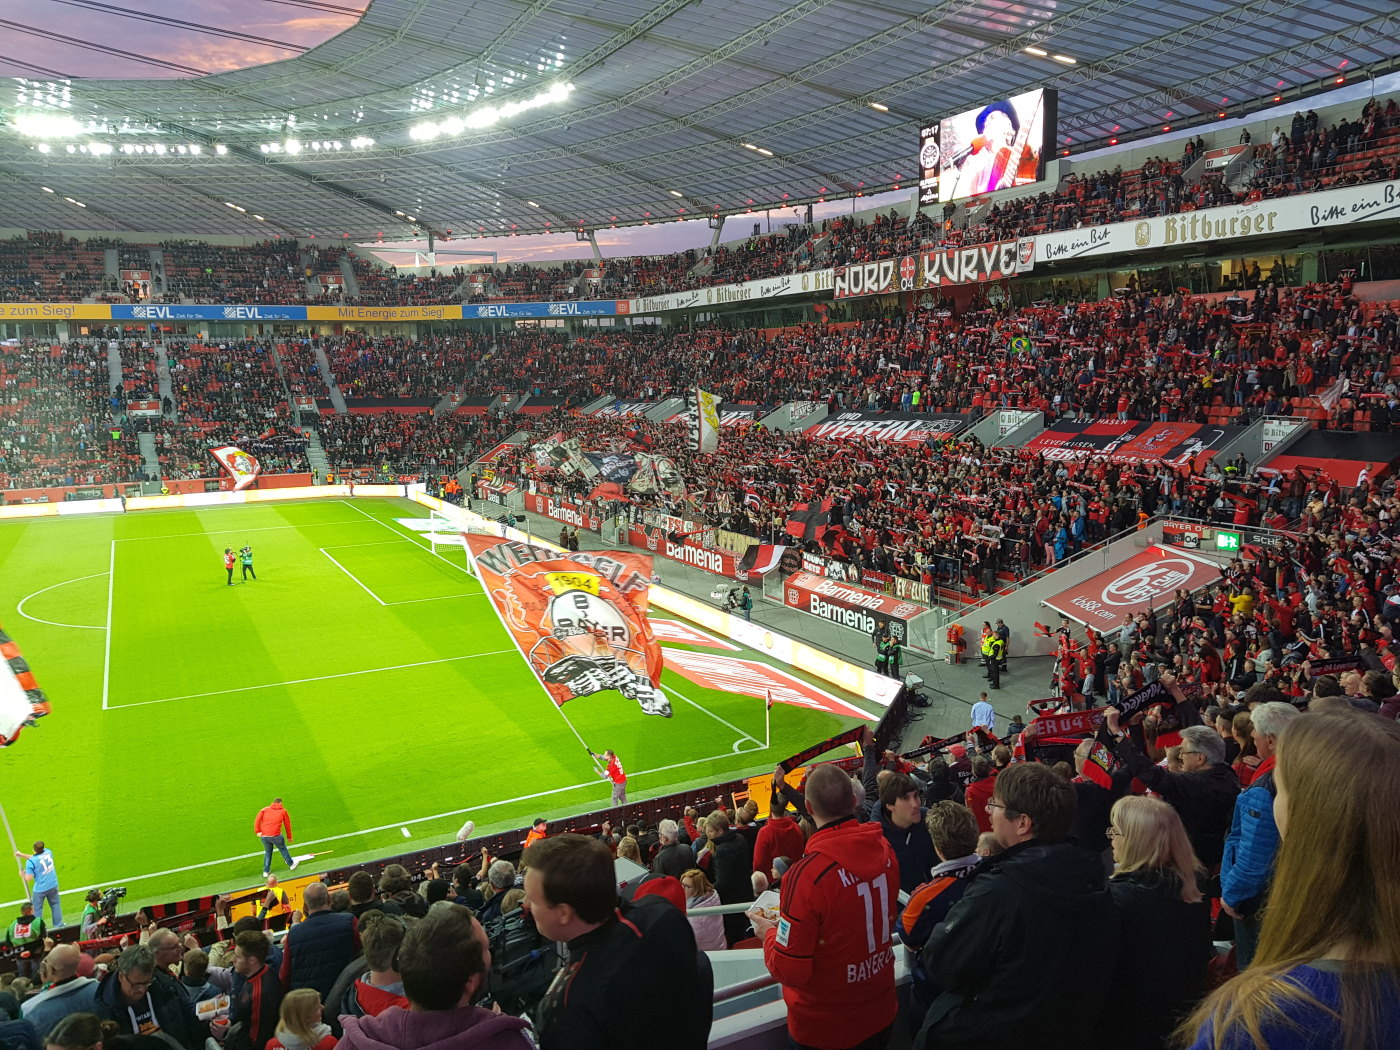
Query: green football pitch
[{"x": 363, "y": 677}]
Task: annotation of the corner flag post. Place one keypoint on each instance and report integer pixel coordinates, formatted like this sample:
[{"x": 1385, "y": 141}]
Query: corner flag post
[{"x": 768, "y": 722}]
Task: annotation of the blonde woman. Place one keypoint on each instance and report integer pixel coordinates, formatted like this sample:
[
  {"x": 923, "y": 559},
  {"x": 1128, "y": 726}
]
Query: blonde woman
[
  {"x": 629, "y": 850},
  {"x": 1164, "y": 943},
  {"x": 299, "y": 1026},
  {"x": 1327, "y": 970},
  {"x": 699, "y": 893}
]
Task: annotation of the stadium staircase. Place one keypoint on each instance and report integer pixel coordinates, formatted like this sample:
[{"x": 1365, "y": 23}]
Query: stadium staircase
[
  {"x": 167, "y": 389},
  {"x": 114, "y": 367},
  {"x": 332, "y": 387},
  {"x": 111, "y": 268},
  {"x": 352, "y": 285},
  {"x": 316, "y": 453},
  {"x": 150, "y": 459}
]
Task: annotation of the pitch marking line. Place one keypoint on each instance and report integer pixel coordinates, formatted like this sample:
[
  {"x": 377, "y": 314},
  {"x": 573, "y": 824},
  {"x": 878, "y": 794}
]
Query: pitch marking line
[
  {"x": 318, "y": 678},
  {"x": 362, "y": 585},
  {"x": 54, "y": 623},
  {"x": 107, "y": 643},
  {"x": 381, "y": 601},
  {"x": 413, "y": 538},
  {"x": 383, "y": 827},
  {"x": 743, "y": 736},
  {"x": 214, "y": 534}
]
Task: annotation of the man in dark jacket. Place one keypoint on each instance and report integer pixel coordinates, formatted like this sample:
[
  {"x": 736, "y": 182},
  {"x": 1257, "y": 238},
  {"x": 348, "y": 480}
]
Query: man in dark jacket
[
  {"x": 999, "y": 957},
  {"x": 320, "y": 946},
  {"x": 1203, "y": 793},
  {"x": 731, "y": 871},
  {"x": 674, "y": 858},
  {"x": 144, "y": 1001},
  {"x": 634, "y": 979},
  {"x": 256, "y": 999},
  {"x": 902, "y": 821}
]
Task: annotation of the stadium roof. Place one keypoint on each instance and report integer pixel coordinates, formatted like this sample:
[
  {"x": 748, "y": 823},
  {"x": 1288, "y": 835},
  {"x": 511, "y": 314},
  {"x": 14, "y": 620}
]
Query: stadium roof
[{"x": 678, "y": 108}]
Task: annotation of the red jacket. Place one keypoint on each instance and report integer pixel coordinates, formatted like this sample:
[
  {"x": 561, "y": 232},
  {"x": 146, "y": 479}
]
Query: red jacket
[
  {"x": 832, "y": 947},
  {"x": 273, "y": 820},
  {"x": 614, "y": 771},
  {"x": 779, "y": 837},
  {"x": 977, "y": 795}
]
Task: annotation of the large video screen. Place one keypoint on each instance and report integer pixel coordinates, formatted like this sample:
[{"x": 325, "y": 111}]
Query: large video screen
[{"x": 996, "y": 147}]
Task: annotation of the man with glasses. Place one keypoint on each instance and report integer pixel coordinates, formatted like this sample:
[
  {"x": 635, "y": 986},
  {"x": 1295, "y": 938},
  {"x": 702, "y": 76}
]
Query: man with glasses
[
  {"x": 999, "y": 957},
  {"x": 1203, "y": 793},
  {"x": 144, "y": 1001}
]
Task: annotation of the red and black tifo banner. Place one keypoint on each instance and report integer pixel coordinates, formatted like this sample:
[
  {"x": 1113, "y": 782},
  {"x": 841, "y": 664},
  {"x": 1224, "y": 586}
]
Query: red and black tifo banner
[
  {"x": 22, "y": 702},
  {"x": 563, "y": 510},
  {"x": 808, "y": 521},
  {"x": 1129, "y": 441},
  {"x": 848, "y": 606},
  {"x": 902, "y": 428}
]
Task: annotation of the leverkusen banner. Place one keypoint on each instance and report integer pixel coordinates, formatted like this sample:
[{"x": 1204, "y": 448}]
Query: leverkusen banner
[{"x": 579, "y": 620}]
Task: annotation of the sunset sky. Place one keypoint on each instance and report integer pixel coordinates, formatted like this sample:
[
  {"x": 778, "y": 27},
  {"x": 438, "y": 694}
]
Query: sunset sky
[{"x": 289, "y": 23}]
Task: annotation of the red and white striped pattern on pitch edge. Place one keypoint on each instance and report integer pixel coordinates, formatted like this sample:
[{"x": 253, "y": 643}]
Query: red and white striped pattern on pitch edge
[
  {"x": 684, "y": 634},
  {"x": 751, "y": 678}
]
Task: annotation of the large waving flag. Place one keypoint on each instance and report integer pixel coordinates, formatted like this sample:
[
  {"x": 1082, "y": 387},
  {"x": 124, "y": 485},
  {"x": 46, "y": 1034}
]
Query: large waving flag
[
  {"x": 578, "y": 619},
  {"x": 242, "y": 466},
  {"x": 21, "y": 699},
  {"x": 704, "y": 430}
]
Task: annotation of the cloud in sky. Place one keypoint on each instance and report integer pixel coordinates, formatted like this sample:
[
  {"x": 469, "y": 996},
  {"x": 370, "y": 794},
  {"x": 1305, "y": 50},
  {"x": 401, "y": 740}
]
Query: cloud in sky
[{"x": 185, "y": 46}]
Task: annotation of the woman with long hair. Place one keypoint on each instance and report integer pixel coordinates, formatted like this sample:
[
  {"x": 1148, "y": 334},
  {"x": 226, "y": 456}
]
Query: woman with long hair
[
  {"x": 700, "y": 893},
  {"x": 1327, "y": 970},
  {"x": 1164, "y": 945}
]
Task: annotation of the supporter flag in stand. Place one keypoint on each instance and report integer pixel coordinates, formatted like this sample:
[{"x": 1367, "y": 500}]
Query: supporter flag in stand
[
  {"x": 1019, "y": 344},
  {"x": 21, "y": 699},
  {"x": 761, "y": 558},
  {"x": 578, "y": 619},
  {"x": 704, "y": 426},
  {"x": 242, "y": 466},
  {"x": 809, "y": 521}
]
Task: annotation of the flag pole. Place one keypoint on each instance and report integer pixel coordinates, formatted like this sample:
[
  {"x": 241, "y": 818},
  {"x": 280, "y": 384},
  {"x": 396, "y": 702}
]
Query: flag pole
[
  {"x": 14, "y": 847},
  {"x": 768, "y": 722}
]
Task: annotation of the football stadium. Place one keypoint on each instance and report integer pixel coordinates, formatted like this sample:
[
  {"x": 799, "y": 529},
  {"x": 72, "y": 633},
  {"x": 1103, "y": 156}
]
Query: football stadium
[{"x": 811, "y": 524}]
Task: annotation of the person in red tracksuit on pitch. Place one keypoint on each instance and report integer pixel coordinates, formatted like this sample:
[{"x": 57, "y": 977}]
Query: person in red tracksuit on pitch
[
  {"x": 614, "y": 773},
  {"x": 831, "y": 946},
  {"x": 228, "y": 564},
  {"x": 273, "y": 826}
]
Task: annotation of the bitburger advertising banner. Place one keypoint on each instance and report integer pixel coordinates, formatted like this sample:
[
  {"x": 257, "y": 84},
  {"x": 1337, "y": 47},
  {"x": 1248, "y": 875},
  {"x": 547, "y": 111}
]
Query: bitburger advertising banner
[{"x": 849, "y": 606}]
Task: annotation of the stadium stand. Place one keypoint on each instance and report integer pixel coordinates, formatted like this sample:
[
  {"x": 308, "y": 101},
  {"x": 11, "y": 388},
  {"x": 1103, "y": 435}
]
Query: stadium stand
[{"x": 1175, "y": 800}]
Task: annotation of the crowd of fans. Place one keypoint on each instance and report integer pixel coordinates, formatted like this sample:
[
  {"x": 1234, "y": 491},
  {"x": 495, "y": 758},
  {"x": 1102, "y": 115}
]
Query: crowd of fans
[
  {"x": 402, "y": 367},
  {"x": 1304, "y": 157},
  {"x": 59, "y": 422},
  {"x": 1202, "y": 905}
]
